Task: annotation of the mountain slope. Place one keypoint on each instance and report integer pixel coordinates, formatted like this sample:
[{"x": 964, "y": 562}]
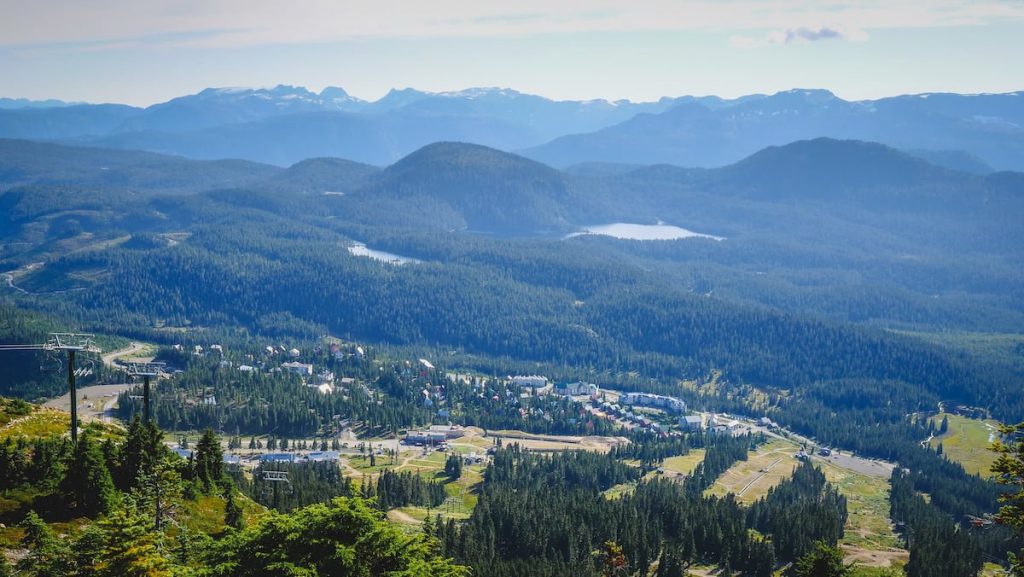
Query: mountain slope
[
  {"x": 285, "y": 140},
  {"x": 488, "y": 190},
  {"x": 64, "y": 121},
  {"x": 692, "y": 134},
  {"x": 222, "y": 106},
  {"x": 25, "y": 162}
]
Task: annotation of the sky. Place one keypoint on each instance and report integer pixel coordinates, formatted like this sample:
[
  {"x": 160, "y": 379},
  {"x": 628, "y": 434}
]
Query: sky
[{"x": 143, "y": 52}]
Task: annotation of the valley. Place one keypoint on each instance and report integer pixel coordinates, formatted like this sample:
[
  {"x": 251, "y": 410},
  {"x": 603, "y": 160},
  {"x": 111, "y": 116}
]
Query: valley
[
  {"x": 493, "y": 289},
  {"x": 315, "y": 332}
]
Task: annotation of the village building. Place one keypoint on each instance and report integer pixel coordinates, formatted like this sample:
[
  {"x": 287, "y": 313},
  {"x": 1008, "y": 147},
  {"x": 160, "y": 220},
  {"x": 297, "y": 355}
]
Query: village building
[
  {"x": 576, "y": 389},
  {"x": 691, "y": 423},
  {"x": 297, "y": 368},
  {"x": 670, "y": 404}
]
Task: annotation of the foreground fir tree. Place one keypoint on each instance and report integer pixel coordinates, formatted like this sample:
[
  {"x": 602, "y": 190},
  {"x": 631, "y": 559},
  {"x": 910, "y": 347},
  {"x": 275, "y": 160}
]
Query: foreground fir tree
[
  {"x": 822, "y": 561},
  {"x": 5, "y": 566},
  {"x": 346, "y": 537},
  {"x": 88, "y": 485},
  {"x": 1009, "y": 470},
  {"x": 132, "y": 547},
  {"x": 47, "y": 556}
]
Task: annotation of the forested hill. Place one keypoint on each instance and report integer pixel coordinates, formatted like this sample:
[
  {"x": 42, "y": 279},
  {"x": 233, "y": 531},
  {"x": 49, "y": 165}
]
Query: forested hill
[
  {"x": 24, "y": 162},
  {"x": 775, "y": 303},
  {"x": 322, "y": 176},
  {"x": 488, "y": 190}
]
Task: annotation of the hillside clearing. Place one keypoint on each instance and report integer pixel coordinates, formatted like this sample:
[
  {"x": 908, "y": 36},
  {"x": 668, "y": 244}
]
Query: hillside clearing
[{"x": 967, "y": 442}]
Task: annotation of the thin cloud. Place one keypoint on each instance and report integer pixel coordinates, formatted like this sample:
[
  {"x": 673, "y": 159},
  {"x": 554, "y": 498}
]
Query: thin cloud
[
  {"x": 808, "y": 35},
  {"x": 240, "y": 23},
  {"x": 798, "y": 35}
]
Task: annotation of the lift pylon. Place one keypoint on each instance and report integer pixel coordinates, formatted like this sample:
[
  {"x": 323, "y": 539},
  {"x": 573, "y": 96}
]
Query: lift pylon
[
  {"x": 72, "y": 343},
  {"x": 146, "y": 370}
]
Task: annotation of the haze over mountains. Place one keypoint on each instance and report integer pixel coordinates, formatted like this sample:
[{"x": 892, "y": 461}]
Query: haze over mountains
[{"x": 285, "y": 124}]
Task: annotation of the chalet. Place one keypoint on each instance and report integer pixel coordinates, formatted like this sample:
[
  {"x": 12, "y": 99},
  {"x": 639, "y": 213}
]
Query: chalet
[
  {"x": 297, "y": 368},
  {"x": 577, "y": 389},
  {"x": 670, "y": 404},
  {"x": 424, "y": 438},
  {"x": 449, "y": 431},
  {"x": 719, "y": 429},
  {"x": 533, "y": 382},
  {"x": 691, "y": 423},
  {"x": 314, "y": 456}
]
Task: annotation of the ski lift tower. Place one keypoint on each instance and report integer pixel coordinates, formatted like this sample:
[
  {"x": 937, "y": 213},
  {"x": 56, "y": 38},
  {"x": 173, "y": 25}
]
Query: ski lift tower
[
  {"x": 72, "y": 343},
  {"x": 146, "y": 370}
]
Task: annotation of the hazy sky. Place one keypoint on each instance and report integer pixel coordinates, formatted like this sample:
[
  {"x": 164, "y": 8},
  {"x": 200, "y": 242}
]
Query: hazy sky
[{"x": 145, "y": 51}]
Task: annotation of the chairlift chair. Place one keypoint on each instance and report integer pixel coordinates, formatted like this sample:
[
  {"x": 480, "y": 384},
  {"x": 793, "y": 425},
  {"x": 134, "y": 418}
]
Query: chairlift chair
[{"x": 50, "y": 362}]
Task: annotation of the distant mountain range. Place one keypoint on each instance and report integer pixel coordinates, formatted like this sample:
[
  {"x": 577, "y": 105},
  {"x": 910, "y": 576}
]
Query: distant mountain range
[
  {"x": 287, "y": 124},
  {"x": 15, "y": 103},
  {"x": 988, "y": 128}
]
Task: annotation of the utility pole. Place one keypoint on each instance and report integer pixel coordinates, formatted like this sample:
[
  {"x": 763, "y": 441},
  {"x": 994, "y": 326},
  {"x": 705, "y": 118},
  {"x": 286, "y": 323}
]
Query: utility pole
[
  {"x": 72, "y": 343},
  {"x": 146, "y": 370}
]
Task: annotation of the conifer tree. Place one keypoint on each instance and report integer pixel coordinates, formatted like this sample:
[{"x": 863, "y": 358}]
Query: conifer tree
[
  {"x": 132, "y": 547},
  {"x": 47, "y": 556},
  {"x": 822, "y": 561},
  {"x": 87, "y": 483},
  {"x": 209, "y": 461},
  {"x": 1009, "y": 471},
  {"x": 232, "y": 511}
]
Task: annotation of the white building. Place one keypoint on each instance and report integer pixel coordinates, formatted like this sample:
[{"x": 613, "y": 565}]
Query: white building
[
  {"x": 297, "y": 368},
  {"x": 530, "y": 381},
  {"x": 576, "y": 389},
  {"x": 691, "y": 423},
  {"x": 670, "y": 404},
  {"x": 449, "y": 431}
]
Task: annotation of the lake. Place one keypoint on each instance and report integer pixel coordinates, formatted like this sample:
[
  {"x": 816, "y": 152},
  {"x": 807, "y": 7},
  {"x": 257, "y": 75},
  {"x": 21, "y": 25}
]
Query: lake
[
  {"x": 360, "y": 249},
  {"x": 632, "y": 231}
]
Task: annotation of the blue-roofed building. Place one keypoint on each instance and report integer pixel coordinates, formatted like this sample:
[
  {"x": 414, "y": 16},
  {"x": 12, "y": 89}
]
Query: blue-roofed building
[
  {"x": 183, "y": 453},
  {"x": 278, "y": 458},
  {"x": 232, "y": 460}
]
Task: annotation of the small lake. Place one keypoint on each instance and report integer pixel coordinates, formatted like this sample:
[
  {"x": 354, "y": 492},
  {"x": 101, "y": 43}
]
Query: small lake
[
  {"x": 631, "y": 231},
  {"x": 360, "y": 249}
]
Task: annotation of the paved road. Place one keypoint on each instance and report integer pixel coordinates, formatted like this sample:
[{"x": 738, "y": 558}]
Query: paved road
[
  {"x": 843, "y": 459},
  {"x": 95, "y": 402},
  {"x": 109, "y": 358}
]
